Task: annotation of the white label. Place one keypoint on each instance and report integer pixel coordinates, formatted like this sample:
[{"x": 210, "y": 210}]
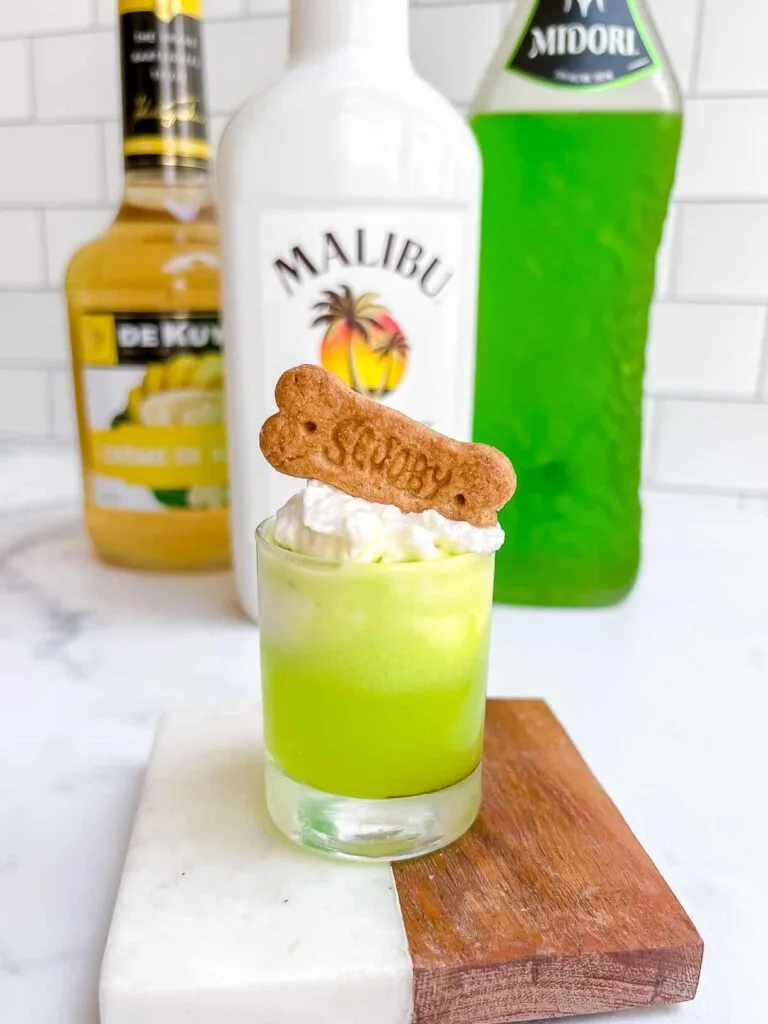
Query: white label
[
  {"x": 152, "y": 385},
  {"x": 373, "y": 296},
  {"x": 382, "y": 295}
]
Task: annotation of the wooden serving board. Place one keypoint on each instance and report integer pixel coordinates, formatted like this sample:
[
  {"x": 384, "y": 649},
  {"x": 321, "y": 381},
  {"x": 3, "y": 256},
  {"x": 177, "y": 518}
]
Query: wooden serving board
[{"x": 549, "y": 907}]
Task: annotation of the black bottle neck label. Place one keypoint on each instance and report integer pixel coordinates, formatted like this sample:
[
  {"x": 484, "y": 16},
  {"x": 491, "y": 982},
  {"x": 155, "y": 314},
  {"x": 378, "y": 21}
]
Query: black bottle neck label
[
  {"x": 165, "y": 121},
  {"x": 581, "y": 44}
]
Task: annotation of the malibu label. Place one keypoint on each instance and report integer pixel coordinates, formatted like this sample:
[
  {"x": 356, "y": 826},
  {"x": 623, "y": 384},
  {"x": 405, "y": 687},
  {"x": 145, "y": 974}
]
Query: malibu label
[{"x": 387, "y": 250}]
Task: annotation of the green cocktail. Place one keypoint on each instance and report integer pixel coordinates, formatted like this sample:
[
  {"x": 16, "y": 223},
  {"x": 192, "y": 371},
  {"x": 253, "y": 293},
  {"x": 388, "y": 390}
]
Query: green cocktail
[{"x": 373, "y": 679}]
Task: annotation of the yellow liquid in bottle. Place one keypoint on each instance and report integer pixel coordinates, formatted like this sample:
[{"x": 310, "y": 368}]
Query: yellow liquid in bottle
[{"x": 159, "y": 256}]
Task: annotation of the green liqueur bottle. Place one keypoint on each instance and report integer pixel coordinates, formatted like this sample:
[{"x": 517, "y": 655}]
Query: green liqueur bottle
[{"x": 579, "y": 122}]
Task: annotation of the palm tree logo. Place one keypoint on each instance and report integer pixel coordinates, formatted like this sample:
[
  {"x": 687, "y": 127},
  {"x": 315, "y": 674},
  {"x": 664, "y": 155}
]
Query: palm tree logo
[
  {"x": 584, "y": 6},
  {"x": 363, "y": 344}
]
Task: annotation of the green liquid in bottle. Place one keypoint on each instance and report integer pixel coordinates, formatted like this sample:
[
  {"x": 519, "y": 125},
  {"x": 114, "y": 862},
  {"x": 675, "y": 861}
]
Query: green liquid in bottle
[{"x": 574, "y": 206}]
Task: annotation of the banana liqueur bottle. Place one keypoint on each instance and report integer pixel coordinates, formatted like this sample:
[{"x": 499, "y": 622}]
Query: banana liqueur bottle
[{"x": 143, "y": 304}]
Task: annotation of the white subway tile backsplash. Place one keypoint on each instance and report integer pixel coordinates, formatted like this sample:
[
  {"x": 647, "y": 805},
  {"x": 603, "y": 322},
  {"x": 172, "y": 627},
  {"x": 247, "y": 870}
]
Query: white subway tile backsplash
[
  {"x": 77, "y": 77},
  {"x": 725, "y": 150},
  {"x": 24, "y": 404},
  {"x": 33, "y": 17},
  {"x": 15, "y": 83},
  {"x": 649, "y": 425},
  {"x": 266, "y": 7},
  {"x": 106, "y": 12},
  {"x": 213, "y": 9},
  {"x": 723, "y": 251},
  {"x": 243, "y": 58},
  {"x": 676, "y": 22},
  {"x": 733, "y": 46},
  {"x": 34, "y": 329},
  {"x": 712, "y": 445},
  {"x": 511, "y": 4},
  {"x": 664, "y": 260},
  {"x": 704, "y": 349},
  {"x": 113, "y": 160},
  {"x": 452, "y": 46},
  {"x": 61, "y": 177},
  {"x": 64, "y": 425},
  {"x": 51, "y": 164},
  {"x": 756, "y": 506},
  {"x": 21, "y": 249},
  {"x": 216, "y": 130},
  {"x": 66, "y": 231}
]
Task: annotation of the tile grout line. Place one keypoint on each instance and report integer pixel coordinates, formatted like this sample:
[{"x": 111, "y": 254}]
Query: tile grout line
[
  {"x": 438, "y": 4},
  {"x": 34, "y": 441},
  {"x": 15, "y": 289},
  {"x": 706, "y": 490},
  {"x": 51, "y": 404},
  {"x": 8, "y": 437},
  {"x": 738, "y": 301},
  {"x": 100, "y": 28},
  {"x": 104, "y": 162},
  {"x": 749, "y": 402},
  {"x": 654, "y": 440},
  {"x": 698, "y": 40},
  {"x": 31, "y": 81},
  {"x": 675, "y": 253},
  {"x": 95, "y": 26},
  {"x": 710, "y": 300},
  {"x": 44, "y": 365},
  {"x": 104, "y": 127},
  {"x": 724, "y": 199},
  {"x": 43, "y": 225},
  {"x": 728, "y": 94},
  {"x": 719, "y": 398},
  {"x": 651, "y": 413},
  {"x": 761, "y": 390}
]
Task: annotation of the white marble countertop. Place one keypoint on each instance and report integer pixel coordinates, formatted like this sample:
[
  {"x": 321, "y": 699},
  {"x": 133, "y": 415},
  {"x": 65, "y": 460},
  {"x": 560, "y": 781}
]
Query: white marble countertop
[{"x": 667, "y": 697}]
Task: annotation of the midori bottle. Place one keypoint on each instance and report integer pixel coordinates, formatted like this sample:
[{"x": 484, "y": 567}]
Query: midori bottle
[
  {"x": 579, "y": 125},
  {"x": 350, "y": 207}
]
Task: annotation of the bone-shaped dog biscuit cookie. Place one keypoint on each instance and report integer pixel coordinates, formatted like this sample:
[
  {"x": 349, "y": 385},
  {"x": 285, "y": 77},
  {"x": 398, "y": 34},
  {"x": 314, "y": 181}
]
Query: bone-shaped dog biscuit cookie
[{"x": 325, "y": 431}]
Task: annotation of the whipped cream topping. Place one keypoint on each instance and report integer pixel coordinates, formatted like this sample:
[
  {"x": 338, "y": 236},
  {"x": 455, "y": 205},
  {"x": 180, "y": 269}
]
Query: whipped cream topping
[{"x": 325, "y": 523}]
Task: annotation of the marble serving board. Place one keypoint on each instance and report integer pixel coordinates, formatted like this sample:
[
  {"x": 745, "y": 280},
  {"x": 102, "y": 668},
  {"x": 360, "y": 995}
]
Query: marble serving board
[{"x": 549, "y": 907}]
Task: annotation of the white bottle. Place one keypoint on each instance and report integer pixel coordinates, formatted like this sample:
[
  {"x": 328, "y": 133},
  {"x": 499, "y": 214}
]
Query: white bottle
[{"x": 350, "y": 198}]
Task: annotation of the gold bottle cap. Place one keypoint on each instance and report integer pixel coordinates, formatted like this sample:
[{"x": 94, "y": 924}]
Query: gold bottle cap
[{"x": 165, "y": 10}]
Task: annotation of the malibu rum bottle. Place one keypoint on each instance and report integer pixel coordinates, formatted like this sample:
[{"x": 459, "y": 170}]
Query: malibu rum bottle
[
  {"x": 144, "y": 317},
  {"x": 350, "y": 198},
  {"x": 579, "y": 122}
]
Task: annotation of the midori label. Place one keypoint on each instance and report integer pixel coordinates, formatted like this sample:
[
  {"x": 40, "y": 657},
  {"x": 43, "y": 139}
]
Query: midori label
[{"x": 584, "y": 43}]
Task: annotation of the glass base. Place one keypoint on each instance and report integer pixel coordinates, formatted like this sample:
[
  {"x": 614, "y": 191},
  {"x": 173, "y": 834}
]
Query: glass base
[{"x": 372, "y": 830}]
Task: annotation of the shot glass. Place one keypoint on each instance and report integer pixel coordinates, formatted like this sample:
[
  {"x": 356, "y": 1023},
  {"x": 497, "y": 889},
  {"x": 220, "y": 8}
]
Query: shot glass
[{"x": 373, "y": 684}]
